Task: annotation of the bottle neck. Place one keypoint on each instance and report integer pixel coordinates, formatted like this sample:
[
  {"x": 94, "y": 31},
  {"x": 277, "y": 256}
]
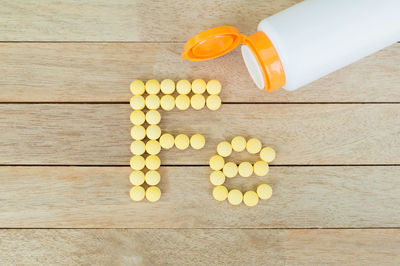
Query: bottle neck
[{"x": 269, "y": 68}]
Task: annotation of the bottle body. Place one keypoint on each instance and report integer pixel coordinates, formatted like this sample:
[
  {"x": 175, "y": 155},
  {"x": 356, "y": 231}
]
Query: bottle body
[{"x": 317, "y": 37}]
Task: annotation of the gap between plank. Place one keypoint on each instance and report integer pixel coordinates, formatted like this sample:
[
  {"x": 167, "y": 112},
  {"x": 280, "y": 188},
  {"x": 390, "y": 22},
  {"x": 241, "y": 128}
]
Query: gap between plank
[
  {"x": 195, "y": 165},
  {"x": 126, "y": 102},
  {"x": 200, "y": 228}
]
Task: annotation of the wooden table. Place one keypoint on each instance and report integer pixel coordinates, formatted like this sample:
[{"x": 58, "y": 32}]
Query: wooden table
[{"x": 64, "y": 144}]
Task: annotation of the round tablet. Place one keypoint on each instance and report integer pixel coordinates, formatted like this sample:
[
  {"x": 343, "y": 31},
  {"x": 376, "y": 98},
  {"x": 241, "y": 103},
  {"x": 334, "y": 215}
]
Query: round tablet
[
  {"x": 182, "y": 102},
  {"x": 138, "y": 132},
  {"x": 197, "y": 141},
  {"x": 197, "y": 101},
  {"x": 153, "y": 132},
  {"x": 153, "y": 147},
  {"x": 153, "y": 194},
  {"x": 217, "y": 178},
  {"x": 153, "y": 162},
  {"x": 137, "y": 162},
  {"x": 213, "y": 102},
  {"x": 137, "y": 102},
  {"x": 137, "y": 147},
  {"x": 245, "y": 169},
  {"x": 230, "y": 169},
  {"x": 217, "y": 162},
  {"x": 224, "y": 149},
  {"x": 153, "y": 117},
  {"x": 137, "y": 87},
  {"x": 152, "y": 101},
  {"x": 220, "y": 193},
  {"x": 261, "y": 168},
  {"x": 137, "y": 117},
  {"x": 152, "y": 86},
  {"x": 167, "y": 102},
  {"x": 253, "y": 145},
  {"x": 267, "y": 154},
  {"x": 250, "y": 198},
  {"x": 198, "y": 86},
  {"x": 136, "y": 178},
  {"x": 183, "y": 87},
  {"x": 214, "y": 87},
  {"x": 167, "y": 141},
  {"x": 238, "y": 143},
  {"x": 264, "y": 191},
  {"x": 235, "y": 197},
  {"x": 182, "y": 141},
  {"x": 152, "y": 178},
  {"x": 167, "y": 86},
  {"x": 137, "y": 193}
]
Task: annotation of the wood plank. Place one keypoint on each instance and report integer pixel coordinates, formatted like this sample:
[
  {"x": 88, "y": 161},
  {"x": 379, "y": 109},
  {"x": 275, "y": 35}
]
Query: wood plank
[
  {"x": 128, "y": 20},
  {"x": 88, "y": 72},
  {"x": 98, "y": 134},
  {"x": 187, "y": 247},
  {"x": 98, "y": 197}
]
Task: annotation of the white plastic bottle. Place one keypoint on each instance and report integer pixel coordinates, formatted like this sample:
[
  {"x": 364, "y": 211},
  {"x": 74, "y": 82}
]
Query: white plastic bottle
[{"x": 305, "y": 42}]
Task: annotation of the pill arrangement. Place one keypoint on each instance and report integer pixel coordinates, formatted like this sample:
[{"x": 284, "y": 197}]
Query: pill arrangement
[
  {"x": 222, "y": 169},
  {"x": 148, "y": 139}
]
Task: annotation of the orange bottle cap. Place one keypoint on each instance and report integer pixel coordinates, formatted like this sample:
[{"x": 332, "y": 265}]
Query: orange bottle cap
[{"x": 212, "y": 43}]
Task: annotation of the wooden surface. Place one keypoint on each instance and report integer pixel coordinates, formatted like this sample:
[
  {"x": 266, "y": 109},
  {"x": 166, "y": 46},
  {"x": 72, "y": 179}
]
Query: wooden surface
[{"x": 65, "y": 69}]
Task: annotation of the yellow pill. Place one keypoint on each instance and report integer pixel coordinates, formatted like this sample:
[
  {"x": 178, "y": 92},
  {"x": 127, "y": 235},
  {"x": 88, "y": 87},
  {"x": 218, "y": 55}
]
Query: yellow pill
[
  {"x": 152, "y": 86},
  {"x": 138, "y": 132},
  {"x": 167, "y": 86},
  {"x": 197, "y": 101},
  {"x": 217, "y": 162},
  {"x": 230, "y": 169},
  {"x": 153, "y": 132},
  {"x": 220, "y": 193},
  {"x": 137, "y": 162},
  {"x": 238, "y": 143},
  {"x": 253, "y": 145},
  {"x": 152, "y": 178},
  {"x": 153, "y": 194},
  {"x": 250, "y": 198},
  {"x": 137, "y": 102},
  {"x": 224, "y": 149},
  {"x": 217, "y": 178},
  {"x": 183, "y": 87},
  {"x": 182, "y": 141},
  {"x": 153, "y": 117},
  {"x": 152, "y": 101},
  {"x": 245, "y": 169},
  {"x": 182, "y": 102},
  {"x": 167, "y": 102},
  {"x": 153, "y": 162},
  {"x": 136, "y": 178},
  {"x": 167, "y": 141},
  {"x": 267, "y": 154},
  {"x": 137, "y": 117},
  {"x": 197, "y": 141},
  {"x": 198, "y": 86},
  {"x": 137, "y": 87},
  {"x": 213, "y": 102},
  {"x": 153, "y": 146},
  {"x": 137, "y": 147},
  {"x": 264, "y": 191},
  {"x": 261, "y": 168},
  {"x": 235, "y": 197},
  {"x": 214, "y": 87},
  {"x": 137, "y": 193}
]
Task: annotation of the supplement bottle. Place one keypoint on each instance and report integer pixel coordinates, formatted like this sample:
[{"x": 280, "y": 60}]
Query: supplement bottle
[{"x": 306, "y": 41}]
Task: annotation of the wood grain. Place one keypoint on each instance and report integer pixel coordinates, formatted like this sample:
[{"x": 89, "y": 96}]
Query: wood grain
[
  {"x": 98, "y": 134},
  {"x": 93, "y": 72},
  {"x": 128, "y": 20},
  {"x": 200, "y": 247},
  {"x": 97, "y": 197}
]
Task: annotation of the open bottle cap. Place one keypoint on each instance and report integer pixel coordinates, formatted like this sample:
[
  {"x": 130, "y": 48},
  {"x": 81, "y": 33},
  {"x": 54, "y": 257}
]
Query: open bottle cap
[{"x": 212, "y": 43}]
